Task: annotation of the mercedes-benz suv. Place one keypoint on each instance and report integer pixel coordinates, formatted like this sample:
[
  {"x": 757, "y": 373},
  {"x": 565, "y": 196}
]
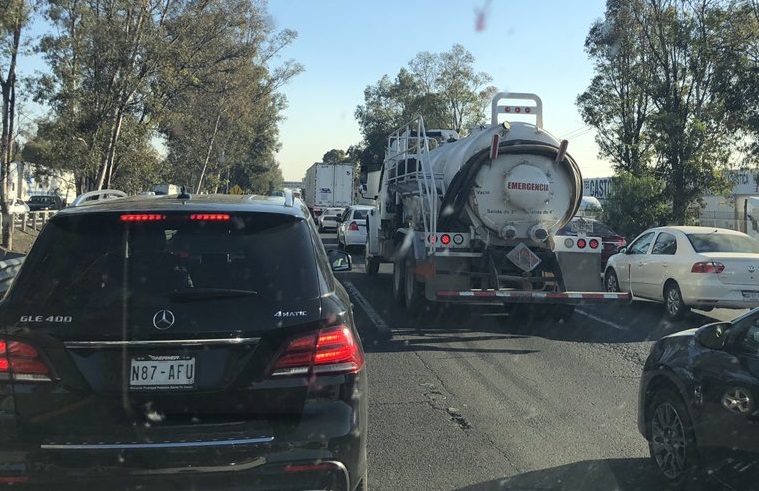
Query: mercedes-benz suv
[{"x": 182, "y": 343}]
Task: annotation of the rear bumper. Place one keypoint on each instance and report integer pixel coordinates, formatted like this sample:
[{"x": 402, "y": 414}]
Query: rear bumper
[
  {"x": 326, "y": 449},
  {"x": 718, "y": 295},
  {"x": 295, "y": 475},
  {"x": 355, "y": 237}
]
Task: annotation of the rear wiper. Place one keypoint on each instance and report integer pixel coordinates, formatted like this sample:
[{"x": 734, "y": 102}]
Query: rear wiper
[{"x": 188, "y": 294}]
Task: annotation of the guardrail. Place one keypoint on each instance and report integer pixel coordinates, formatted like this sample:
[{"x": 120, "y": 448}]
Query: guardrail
[{"x": 34, "y": 220}]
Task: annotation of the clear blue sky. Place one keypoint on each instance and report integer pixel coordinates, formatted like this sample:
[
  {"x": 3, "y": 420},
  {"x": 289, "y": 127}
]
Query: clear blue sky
[{"x": 345, "y": 45}]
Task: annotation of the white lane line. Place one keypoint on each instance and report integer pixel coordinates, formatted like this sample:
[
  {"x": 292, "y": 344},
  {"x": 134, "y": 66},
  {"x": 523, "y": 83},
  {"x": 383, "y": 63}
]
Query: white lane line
[
  {"x": 366, "y": 306},
  {"x": 602, "y": 321}
]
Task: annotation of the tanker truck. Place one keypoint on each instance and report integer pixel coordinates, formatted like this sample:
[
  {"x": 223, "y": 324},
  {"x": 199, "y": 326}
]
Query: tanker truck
[{"x": 473, "y": 219}]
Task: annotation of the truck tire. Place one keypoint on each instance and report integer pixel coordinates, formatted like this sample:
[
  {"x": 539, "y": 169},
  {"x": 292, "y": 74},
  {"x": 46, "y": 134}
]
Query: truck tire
[
  {"x": 399, "y": 276},
  {"x": 372, "y": 265},
  {"x": 413, "y": 295}
]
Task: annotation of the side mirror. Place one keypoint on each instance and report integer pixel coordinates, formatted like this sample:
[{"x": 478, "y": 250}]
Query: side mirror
[
  {"x": 622, "y": 250},
  {"x": 340, "y": 261},
  {"x": 713, "y": 336}
]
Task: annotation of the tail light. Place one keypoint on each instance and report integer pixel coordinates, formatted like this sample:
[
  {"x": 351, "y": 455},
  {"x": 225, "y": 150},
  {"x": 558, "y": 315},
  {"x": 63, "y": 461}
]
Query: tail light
[
  {"x": 445, "y": 239},
  {"x": 142, "y": 217},
  {"x": 593, "y": 244},
  {"x": 331, "y": 350},
  {"x": 353, "y": 226},
  {"x": 707, "y": 267},
  {"x": 22, "y": 362},
  {"x": 213, "y": 217},
  {"x": 581, "y": 243}
]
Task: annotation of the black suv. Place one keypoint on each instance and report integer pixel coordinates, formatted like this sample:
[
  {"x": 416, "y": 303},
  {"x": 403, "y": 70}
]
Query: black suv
[
  {"x": 45, "y": 202},
  {"x": 182, "y": 343}
]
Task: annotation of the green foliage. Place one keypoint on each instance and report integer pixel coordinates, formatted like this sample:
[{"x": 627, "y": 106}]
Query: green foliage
[
  {"x": 335, "y": 156},
  {"x": 656, "y": 100},
  {"x": 635, "y": 204},
  {"x": 197, "y": 74},
  {"x": 444, "y": 88}
]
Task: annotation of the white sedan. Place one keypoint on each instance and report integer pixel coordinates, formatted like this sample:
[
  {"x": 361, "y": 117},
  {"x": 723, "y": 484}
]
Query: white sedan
[
  {"x": 688, "y": 267},
  {"x": 352, "y": 228},
  {"x": 17, "y": 206}
]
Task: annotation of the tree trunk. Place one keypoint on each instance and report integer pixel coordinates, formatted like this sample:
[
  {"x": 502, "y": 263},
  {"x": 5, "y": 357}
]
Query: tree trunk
[{"x": 208, "y": 153}]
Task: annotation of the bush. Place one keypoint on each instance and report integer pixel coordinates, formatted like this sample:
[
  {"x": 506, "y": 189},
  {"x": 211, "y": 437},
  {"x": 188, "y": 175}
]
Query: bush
[{"x": 635, "y": 204}]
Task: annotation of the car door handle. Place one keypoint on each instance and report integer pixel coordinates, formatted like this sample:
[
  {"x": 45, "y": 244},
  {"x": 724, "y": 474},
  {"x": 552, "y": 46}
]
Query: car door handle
[{"x": 664, "y": 265}]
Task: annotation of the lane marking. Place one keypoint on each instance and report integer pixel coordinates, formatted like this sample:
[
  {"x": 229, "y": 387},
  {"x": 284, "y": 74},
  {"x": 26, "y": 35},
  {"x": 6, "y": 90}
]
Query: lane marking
[
  {"x": 601, "y": 320},
  {"x": 374, "y": 317}
]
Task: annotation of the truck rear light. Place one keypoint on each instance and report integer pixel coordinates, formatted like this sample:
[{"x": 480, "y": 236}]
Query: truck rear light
[
  {"x": 331, "y": 350},
  {"x": 22, "y": 362},
  {"x": 581, "y": 243},
  {"x": 593, "y": 244},
  {"x": 707, "y": 267},
  {"x": 445, "y": 239},
  {"x": 353, "y": 227}
]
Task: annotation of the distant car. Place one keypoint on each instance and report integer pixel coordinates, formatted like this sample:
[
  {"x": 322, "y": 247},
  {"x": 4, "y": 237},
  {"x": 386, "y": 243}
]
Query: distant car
[
  {"x": 688, "y": 267},
  {"x": 43, "y": 202},
  {"x": 612, "y": 242},
  {"x": 697, "y": 403},
  {"x": 17, "y": 206},
  {"x": 352, "y": 228},
  {"x": 328, "y": 220}
]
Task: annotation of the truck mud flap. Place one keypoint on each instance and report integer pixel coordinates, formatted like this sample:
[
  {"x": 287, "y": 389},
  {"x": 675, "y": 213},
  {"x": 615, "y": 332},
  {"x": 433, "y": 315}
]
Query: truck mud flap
[{"x": 502, "y": 296}]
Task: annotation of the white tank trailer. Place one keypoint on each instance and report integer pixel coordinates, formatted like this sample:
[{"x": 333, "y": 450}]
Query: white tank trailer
[{"x": 473, "y": 219}]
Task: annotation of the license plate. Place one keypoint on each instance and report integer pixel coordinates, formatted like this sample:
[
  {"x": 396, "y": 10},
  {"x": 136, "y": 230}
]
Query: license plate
[
  {"x": 162, "y": 372},
  {"x": 751, "y": 296}
]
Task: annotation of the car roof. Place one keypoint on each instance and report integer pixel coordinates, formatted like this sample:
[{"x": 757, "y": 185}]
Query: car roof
[
  {"x": 201, "y": 202},
  {"x": 362, "y": 207}
]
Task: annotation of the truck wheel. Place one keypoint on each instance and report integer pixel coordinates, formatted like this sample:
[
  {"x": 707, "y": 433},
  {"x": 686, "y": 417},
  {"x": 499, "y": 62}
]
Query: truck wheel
[
  {"x": 399, "y": 278},
  {"x": 372, "y": 265},
  {"x": 413, "y": 296}
]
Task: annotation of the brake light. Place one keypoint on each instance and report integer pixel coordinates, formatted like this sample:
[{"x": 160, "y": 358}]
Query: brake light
[
  {"x": 210, "y": 216},
  {"x": 142, "y": 217},
  {"x": 581, "y": 243},
  {"x": 331, "y": 350},
  {"x": 353, "y": 226},
  {"x": 445, "y": 239},
  {"x": 708, "y": 267},
  {"x": 22, "y": 362},
  {"x": 593, "y": 244}
]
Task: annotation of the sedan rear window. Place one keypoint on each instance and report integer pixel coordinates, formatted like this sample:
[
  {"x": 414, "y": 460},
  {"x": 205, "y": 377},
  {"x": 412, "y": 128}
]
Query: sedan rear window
[
  {"x": 97, "y": 259},
  {"x": 360, "y": 214},
  {"x": 717, "y": 242}
]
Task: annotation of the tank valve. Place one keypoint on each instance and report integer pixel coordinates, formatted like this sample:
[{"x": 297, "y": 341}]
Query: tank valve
[
  {"x": 509, "y": 232},
  {"x": 538, "y": 233}
]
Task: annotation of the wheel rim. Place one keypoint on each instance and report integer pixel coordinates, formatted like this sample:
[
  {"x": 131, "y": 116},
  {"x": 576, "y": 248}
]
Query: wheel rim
[
  {"x": 668, "y": 441},
  {"x": 673, "y": 301},
  {"x": 611, "y": 283}
]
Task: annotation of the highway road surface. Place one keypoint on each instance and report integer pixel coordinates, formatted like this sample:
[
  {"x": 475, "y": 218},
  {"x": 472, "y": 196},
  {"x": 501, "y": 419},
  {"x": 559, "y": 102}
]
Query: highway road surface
[{"x": 470, "y": 399}]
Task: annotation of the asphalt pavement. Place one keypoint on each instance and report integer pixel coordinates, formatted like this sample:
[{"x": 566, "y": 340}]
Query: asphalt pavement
[{"x": 468, "y": 398}]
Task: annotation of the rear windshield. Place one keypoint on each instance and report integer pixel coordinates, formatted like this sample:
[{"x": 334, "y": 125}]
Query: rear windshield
[
  {"x": 716, "y": 242},
  {"x": 360, "y": 214},
  {"x": 41, "y": 199},
  {"x": 96, "y": 259}
]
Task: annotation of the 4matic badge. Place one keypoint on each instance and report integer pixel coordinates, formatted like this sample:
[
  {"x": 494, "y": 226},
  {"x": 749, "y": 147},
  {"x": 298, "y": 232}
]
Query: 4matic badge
[{"x": 291, "y": 313}]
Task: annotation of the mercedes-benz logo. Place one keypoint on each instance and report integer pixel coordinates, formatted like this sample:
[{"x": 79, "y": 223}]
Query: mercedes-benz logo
[
  {"x": 751, "y": 268},
  {"x": 163, "y": 319}
]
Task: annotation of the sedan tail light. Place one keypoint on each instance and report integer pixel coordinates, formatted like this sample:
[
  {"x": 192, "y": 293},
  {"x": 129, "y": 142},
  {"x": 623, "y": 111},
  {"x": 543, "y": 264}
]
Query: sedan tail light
[
  {"x": 22, "y": 362},
  {"x": 331, "y": 350},
  {"x": 707, "y": 267},
  {"x": 353, "y": 226}
]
